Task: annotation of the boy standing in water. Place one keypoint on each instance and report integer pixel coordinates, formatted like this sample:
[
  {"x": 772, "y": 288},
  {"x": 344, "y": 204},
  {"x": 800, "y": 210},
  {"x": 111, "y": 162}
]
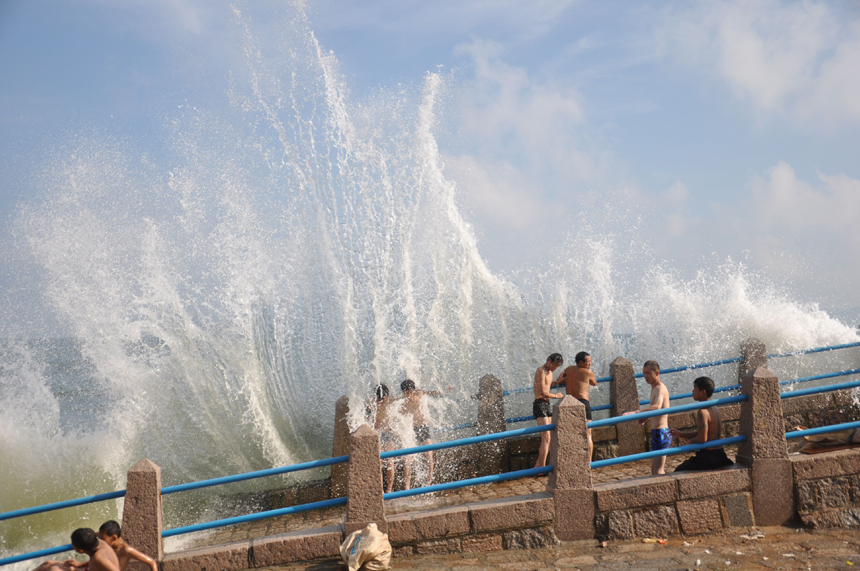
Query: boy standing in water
[
  {"x": 84, "y": 540},
  {"x": 576, "y": 380},
  {"x": 661, "y": 436},
  {"x": 387, "y": 436},
  {"x": 412, "y": 406},
  {"x": 111, "y": 533},
  {"x": 710, "y": 427},
  {"x": 540, "y": 407}
]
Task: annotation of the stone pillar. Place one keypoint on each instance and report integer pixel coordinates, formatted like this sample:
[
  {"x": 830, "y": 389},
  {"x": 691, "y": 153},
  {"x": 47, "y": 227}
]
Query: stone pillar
[
  {"x": 570, "y": 479},
  {"x": 340, "y": 447},
  {"x": 141, "y": 514},
  {"x": 493, "y": 457},
  {"x": 364, "y": 503},
  {"x": 625, "y": 397},
  {"x": 753, "y": 356},
  {"x": 765, "y": 450}
]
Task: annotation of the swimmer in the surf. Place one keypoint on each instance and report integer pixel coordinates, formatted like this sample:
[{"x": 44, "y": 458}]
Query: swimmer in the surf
[{"x": 412, "y": 406}]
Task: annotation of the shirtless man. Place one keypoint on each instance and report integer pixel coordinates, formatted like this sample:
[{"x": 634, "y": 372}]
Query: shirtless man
[
  {"x": 412, "y": 406},
  {"x": 387, "y": 437},
  {"x": 84, "y": 540},
  {"x": 661, "y": 437},
  {"x": 576, "y": 380},
  {"x": 710, "y": 427},
  {"x": 111, "y": 533},
  {"x": 541, "y": 408}
]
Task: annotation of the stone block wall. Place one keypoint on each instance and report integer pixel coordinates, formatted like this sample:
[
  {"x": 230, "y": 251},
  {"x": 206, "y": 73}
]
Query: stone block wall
[
  {"x": 689, "y": 503},
  {"x": 827, "y": 488}
]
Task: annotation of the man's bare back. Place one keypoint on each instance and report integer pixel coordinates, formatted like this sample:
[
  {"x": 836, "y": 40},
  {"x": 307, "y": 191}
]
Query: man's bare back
[{"x": 577, "y": 378}]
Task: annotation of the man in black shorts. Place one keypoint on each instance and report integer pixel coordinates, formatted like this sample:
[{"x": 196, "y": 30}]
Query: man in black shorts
[
  {"x": 412, "y": 406},
  {"x": 576, "y": 380},
  {"x": 541, "y": 409}
]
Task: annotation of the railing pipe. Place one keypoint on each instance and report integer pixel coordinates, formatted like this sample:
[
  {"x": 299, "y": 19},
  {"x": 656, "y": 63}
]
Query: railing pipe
[
  {"x": 667, "y": 452},
  {"x": 252, "y": 475},
  {"x": 253, "y": 517},
  {"x": 36, "y": 554},
  {"x": 467, "y": 441},
  {"x": 63, "y": 504},
  {"x": 817, "y": 390},
  {"x": 822, "y": 430},
  {"x": 671, "y": 410},
  {"x": 469, "y": 482},
  {"x": 816, "y": 350},
  {"x": 819, "y": 377}
]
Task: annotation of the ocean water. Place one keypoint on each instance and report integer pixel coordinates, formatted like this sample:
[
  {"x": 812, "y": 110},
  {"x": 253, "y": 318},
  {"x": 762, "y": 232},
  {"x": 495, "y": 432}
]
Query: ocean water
[{"x": 294, "y": 245}]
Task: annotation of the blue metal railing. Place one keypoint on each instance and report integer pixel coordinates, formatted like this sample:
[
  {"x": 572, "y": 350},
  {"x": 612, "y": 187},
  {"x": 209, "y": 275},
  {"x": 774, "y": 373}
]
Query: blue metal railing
[
  {"x": 253, "y": 475},
  {"x": 716, "y": 363},
  {"x": 817, "y": 390},
  {"x": 253, "y": 517},
  {"x": 667, "y": 452},
  {"x": 63, "y": 504},
  {"x": 671, "y": 410},
  {"x": 37, "y": 554},
  {"x": 822, "y": 430},
  {"x": 467, "y": 441}
]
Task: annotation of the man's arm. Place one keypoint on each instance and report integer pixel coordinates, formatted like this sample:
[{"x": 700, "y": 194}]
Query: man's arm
[
  {"x": 135, "y": 554},
  {"x": 592, "y": 380},
  {"x": 561, "y": 382},
  {"x": 700, "y": 435}
]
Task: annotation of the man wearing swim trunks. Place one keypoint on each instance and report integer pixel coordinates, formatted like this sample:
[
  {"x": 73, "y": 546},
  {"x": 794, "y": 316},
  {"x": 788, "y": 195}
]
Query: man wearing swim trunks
[
  {"x": 576, "y": 380},
  {"x": 661, "y": 436},
  {"x": 540, "y": 408},
  {"x": 412, "y": 406},
  {"x": 709, "y": 427},
  {"x": 387, "y": 437}
]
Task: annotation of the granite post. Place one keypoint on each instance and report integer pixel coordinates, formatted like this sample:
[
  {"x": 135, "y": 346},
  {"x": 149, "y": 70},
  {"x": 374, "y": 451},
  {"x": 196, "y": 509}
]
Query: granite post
[
  {"x": 753, "y": 356},
  {"x": 765, "y": 450},
  {"x": 340, "y": 447},
  {"x": 625, "y": 398},
  {"x": 493, "y": 457},
  {"x": 141, "y": 514},
  {"x": 570, "y": 479},
  {"x": 364, "y": 504}
]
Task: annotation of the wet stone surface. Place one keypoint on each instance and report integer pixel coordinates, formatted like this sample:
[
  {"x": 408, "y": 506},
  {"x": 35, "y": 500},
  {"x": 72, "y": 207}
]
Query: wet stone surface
[{"x": 780, "y": 548}]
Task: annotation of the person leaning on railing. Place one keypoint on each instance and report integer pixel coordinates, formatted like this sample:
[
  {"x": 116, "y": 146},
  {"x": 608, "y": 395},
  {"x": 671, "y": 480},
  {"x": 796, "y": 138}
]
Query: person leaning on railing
[{"x": 710, "y": 427}]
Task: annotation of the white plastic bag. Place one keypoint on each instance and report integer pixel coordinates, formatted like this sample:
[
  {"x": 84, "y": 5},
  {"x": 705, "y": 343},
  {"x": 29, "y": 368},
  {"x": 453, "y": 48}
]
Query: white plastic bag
[{"x": 369, "y": 548}]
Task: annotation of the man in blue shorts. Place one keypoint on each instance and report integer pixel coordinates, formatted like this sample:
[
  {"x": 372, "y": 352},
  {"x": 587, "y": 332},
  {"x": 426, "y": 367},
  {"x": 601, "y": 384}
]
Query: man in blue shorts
[{"x": 661, "y": 436}]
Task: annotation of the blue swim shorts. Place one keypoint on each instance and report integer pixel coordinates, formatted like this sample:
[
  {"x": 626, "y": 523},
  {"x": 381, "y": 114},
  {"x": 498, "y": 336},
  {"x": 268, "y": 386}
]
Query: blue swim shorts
[{"x": 661, "y": 438}]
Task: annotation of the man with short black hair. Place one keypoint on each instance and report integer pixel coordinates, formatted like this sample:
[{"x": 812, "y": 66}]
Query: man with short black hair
[
  {"x": 412, "y": 406},
  {"x": 576, "y": 380},
  {"x": 710, "y": 427},
  {"x": 111, "y": 533},
  {"x": 85, "y": 540},
  {"x": 661, "y": 436},
  {"x": 540, "y": 407}
]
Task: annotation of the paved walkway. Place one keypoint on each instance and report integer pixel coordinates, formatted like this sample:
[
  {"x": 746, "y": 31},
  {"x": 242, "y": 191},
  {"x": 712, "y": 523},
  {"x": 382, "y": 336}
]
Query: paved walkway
[
  {"x": 777, "y": 548},
  {"x": 331, "y": 516}
]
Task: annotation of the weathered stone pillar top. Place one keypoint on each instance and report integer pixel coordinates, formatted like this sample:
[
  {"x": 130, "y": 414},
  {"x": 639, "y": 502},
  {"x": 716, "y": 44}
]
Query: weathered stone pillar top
[
  {"x": 759, "y": 373},
  {"x": 146, "y": 466}
]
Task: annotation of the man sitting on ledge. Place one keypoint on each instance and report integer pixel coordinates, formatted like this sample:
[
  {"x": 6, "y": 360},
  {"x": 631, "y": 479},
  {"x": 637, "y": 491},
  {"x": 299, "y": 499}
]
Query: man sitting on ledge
[{"x": 710, "y": 428}]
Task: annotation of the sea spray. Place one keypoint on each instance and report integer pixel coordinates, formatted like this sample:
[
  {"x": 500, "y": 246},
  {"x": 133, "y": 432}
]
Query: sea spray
[{"x": 292, "y": 245}]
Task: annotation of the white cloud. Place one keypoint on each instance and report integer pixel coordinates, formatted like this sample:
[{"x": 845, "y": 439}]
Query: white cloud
[{"x": 799, "y": 59}]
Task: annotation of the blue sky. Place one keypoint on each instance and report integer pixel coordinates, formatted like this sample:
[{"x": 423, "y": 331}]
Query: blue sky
[{"x": 734, "y": 127}]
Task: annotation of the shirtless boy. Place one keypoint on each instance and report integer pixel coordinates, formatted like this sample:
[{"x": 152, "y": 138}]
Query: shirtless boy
[
  {"x": 84, "y": 540},
  {"x": 412, "y": 406},
  {"x": 540, "y": 408},
  {"x": 576, "y": 380},
  {"x": 110, "y": 533},
  {"x": 387, "y": 436},
  {"x": 661, "y": 436},
  {"x": 710, "y": 427}
]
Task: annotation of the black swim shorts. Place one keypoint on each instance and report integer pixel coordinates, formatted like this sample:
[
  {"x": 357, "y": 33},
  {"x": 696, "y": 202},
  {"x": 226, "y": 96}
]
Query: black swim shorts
[
  {"x": 422, "y": 433},
  {"x": 587, "y": 408},
  {"x": 541, "y": 409}
]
